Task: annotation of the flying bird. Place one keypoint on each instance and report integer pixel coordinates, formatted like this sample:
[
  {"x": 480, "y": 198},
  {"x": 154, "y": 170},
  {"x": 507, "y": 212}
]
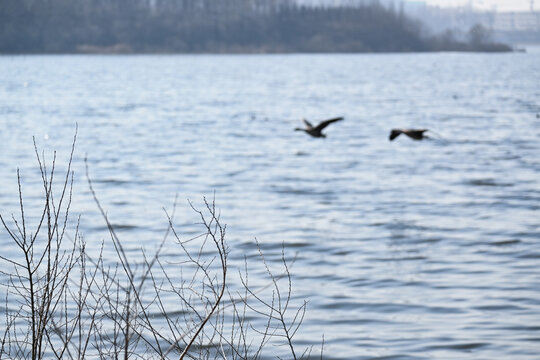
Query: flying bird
[
  {"x": 416, "y": 134},
  {"x": 316, "y": 131}
]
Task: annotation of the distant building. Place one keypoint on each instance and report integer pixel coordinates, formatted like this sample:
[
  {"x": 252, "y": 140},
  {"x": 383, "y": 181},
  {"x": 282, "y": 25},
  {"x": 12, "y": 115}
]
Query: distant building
[
  {"x": 517, "y": 21},
  {"x": 509, "y": 26}
]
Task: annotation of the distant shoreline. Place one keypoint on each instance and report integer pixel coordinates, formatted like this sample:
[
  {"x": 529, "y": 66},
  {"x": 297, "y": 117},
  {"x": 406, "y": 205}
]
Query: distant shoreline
[
  {"x": 113, "y": 51},
  {"x": 232, "y": 27}
]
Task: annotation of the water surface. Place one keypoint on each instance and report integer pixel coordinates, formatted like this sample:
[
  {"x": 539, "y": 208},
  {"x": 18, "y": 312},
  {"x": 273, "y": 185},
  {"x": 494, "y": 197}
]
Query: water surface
[{"x": 404, "y": 249}]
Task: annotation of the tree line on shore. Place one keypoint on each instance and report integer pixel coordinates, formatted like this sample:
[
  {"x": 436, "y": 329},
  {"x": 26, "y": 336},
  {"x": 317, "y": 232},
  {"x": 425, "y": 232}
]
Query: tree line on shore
[{"x": 205, "y": 26}]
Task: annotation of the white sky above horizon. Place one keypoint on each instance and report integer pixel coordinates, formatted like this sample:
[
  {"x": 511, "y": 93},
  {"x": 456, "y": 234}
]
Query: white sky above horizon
[{"x": 499, "y": 5}]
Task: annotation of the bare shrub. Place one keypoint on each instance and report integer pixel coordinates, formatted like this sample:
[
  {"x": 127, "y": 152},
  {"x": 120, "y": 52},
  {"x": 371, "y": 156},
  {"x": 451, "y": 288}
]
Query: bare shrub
[{"x": 63, "y": 302}]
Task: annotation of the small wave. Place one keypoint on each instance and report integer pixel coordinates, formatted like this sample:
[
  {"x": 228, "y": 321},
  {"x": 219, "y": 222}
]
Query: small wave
[
  {"x": 520, "y": 328},
  {"x": 7, "y": 110},
  {"x": 111, "y": 181},
  {"x": 127, "y": 227},
  {"x": 407, "y": 308},
  {"x": 397, "y": 357},
  {"x": 356, "y": 322},
  {"x": 341, "y": 252},
  {"x": 429, "y": 240},
  {"x": 498, "y": 307},
  {"x": 131, "y": 107},
  {"x": 458, "y": 346},
  {"x": 405, "y": 258},
  {"x": 169, "y": 314},
  {"x": 93, "y": 112},
  {"x": 505, "y": 242},
  {"x": 528, "y": 105},
  {"x": 401, "y": 225},
  {"x": 334, "y": 305},
  {"x": 236, "y": 172},
  {"x": 243, "y": 135},
  {"x": 529, "y": 256},
  {"x": 486, "y": 182},
  {"x": 531, "y": 339},
  {"x": 120, "y": 203},
  {"x": 219, "y": 185},
  {"x": 293, "y": 191}
]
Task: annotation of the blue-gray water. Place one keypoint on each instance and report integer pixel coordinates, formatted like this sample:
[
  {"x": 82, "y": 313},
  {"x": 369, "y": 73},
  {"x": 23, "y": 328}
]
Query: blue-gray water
[{"x": 405, "y": 249}]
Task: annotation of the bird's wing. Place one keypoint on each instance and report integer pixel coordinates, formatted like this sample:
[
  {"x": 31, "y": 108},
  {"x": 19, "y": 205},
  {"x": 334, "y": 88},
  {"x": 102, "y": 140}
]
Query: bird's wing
[
  {"x": 394, "y": 134},
  {"x": 308, "y": 124},
  {"x": 416, "y": 131},
  {"x": 325, "y": 123}
]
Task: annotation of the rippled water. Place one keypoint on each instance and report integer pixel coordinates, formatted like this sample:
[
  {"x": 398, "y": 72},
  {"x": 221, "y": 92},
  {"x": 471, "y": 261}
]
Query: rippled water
[{"x": 405, "y": 250}]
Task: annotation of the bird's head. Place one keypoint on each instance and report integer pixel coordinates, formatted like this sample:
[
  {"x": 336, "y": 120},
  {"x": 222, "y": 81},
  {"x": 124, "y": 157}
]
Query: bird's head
[{"x": 394, "y": 134}]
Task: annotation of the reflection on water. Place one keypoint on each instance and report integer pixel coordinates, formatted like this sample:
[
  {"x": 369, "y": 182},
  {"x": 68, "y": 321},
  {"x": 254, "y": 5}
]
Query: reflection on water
[{"x": 420, "y": 250}]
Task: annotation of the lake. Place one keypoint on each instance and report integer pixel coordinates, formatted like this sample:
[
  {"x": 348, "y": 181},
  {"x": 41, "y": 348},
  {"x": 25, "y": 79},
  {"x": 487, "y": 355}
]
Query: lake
[{"x": 404, "y": 249}]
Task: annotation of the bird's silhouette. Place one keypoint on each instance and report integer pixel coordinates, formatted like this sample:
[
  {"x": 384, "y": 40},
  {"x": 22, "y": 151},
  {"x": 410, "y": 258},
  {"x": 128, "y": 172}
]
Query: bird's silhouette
[
  {"x": 316, "y": 131},
  {"x": 416, "y": 134}
]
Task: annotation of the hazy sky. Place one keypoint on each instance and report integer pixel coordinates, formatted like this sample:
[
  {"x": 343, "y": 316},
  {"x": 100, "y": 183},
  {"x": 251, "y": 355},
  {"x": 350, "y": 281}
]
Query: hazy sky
[{"x": 502, "y": 5}]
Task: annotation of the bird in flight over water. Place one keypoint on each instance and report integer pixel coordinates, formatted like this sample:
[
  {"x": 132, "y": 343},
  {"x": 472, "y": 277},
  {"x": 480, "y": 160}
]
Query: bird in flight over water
[
  {"x": 316, "y": 131},
  {"x": 416, "y": 134}
]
